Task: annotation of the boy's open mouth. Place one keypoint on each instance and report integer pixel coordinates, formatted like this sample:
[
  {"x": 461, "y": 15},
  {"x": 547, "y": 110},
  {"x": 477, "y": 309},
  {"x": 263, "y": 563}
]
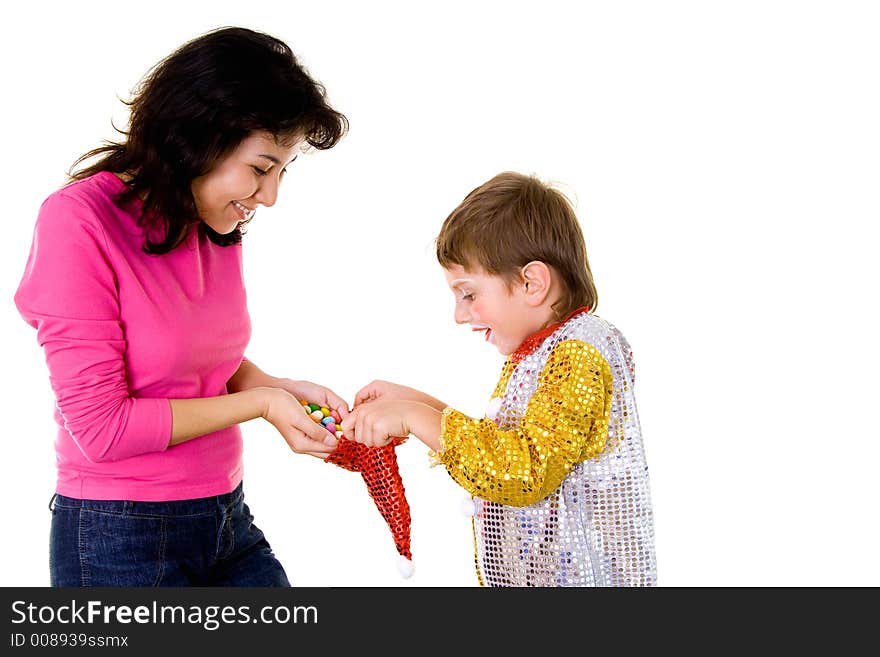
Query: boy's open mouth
[{"x": 486, "y": 329}]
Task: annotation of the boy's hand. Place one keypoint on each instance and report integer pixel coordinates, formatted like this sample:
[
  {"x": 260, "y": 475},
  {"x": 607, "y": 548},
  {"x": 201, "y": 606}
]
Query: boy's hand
[
  {"x": 387, "y": 391},
  {"x": 376, "y": 423}
]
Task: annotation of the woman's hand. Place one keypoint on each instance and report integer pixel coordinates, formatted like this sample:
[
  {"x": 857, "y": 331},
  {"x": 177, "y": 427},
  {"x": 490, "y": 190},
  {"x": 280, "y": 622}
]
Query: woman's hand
[
  {"x": 315, "y": 394},
  {"x": 304, "y": 436}
]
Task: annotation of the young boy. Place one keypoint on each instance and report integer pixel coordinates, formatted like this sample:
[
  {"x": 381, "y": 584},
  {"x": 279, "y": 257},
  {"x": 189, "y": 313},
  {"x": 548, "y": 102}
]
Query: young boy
[{"x": 556, "y": 468}]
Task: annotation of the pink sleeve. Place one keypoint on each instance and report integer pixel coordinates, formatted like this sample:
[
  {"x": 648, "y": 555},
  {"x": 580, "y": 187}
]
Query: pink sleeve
[{"x": 69, "y": 294}]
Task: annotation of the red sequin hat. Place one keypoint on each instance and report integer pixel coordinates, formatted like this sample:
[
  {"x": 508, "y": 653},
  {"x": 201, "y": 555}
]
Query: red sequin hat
[{"x": 378, "y": 467}]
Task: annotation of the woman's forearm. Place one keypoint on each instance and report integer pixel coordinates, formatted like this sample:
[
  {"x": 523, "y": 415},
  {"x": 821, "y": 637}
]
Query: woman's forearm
[
  {"x": 249, "y": 376},
  {"x": 191, "y": 418}
]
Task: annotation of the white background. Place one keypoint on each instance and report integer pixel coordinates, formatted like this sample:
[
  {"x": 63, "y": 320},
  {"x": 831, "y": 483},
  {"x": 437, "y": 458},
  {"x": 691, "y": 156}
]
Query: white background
[{"x": 724, "y": 160}]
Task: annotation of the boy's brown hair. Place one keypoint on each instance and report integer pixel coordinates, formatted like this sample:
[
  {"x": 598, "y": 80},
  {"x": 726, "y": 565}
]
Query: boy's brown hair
[{"x": 511, "y": 220}]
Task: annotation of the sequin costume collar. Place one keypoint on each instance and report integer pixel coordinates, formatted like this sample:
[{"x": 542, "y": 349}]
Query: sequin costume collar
[{"x": 531, "y": 343}]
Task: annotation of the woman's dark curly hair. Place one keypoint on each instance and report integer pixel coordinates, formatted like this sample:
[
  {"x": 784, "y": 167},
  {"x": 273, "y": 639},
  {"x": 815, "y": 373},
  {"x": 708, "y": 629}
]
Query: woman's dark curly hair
[{"x": 196, "y": 106}]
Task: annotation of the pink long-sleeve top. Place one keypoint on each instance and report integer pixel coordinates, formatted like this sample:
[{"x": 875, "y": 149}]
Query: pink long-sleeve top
[{"x": 123, "y": 333}]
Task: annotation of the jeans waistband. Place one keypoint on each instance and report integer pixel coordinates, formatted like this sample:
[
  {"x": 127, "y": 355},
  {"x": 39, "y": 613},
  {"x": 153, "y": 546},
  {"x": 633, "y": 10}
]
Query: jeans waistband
[{"x": 181, "y": 508}]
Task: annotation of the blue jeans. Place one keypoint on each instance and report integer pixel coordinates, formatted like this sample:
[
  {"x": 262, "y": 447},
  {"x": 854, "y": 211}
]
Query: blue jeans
[{"x": 210, "y": 541}]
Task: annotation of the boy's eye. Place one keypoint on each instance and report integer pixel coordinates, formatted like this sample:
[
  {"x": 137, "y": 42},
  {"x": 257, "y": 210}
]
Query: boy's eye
[{"x": 259, "y": 171}]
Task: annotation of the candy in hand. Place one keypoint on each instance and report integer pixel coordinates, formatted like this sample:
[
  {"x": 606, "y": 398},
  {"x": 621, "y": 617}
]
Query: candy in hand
[{"x": 323, "y": 415}]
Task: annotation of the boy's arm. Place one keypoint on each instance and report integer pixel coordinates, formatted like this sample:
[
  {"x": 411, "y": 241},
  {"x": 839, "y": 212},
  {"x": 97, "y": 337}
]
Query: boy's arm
[
  {"x": 385, "y": 390},
  {"x": 565, "y": 422},
  {"x": 425, "y": 423}
]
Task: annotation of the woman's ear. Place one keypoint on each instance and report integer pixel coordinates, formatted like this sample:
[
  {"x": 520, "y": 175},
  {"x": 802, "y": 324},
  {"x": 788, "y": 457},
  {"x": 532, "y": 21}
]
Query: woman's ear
[{"x": 536, "y": 280}]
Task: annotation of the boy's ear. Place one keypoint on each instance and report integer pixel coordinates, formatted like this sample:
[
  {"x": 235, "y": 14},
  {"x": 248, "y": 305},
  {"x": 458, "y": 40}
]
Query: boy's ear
[{"x": 536, "y": 280}]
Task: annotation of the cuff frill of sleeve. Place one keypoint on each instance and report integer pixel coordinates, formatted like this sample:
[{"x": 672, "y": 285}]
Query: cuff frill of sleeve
[{"x": 436, "y": 457}]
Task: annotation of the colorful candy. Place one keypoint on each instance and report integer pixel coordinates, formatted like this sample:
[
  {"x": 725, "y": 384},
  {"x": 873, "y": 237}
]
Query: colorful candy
[{"x": 323, "y": 415}]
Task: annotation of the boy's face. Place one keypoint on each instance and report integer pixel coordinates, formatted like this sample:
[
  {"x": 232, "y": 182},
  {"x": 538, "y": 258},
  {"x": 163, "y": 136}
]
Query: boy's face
[{"x": 490, "y": 306}]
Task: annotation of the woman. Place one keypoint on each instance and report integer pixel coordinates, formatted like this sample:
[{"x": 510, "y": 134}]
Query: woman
[{"x": 134, "y": 284}]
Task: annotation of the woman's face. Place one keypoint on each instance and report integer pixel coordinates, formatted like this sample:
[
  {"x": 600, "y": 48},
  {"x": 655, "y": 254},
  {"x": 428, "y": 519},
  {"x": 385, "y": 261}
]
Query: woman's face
[{"x": 250, "y": 175}]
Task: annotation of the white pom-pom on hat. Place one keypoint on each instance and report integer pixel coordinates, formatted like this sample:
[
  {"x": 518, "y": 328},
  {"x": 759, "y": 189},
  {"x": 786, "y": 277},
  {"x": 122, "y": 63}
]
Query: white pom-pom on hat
[{"x": 405, "y": 567}]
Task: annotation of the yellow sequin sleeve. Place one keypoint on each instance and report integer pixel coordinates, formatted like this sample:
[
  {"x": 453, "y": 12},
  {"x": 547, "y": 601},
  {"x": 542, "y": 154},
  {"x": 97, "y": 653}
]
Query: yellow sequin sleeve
[{"x": 565, "y": 422}]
